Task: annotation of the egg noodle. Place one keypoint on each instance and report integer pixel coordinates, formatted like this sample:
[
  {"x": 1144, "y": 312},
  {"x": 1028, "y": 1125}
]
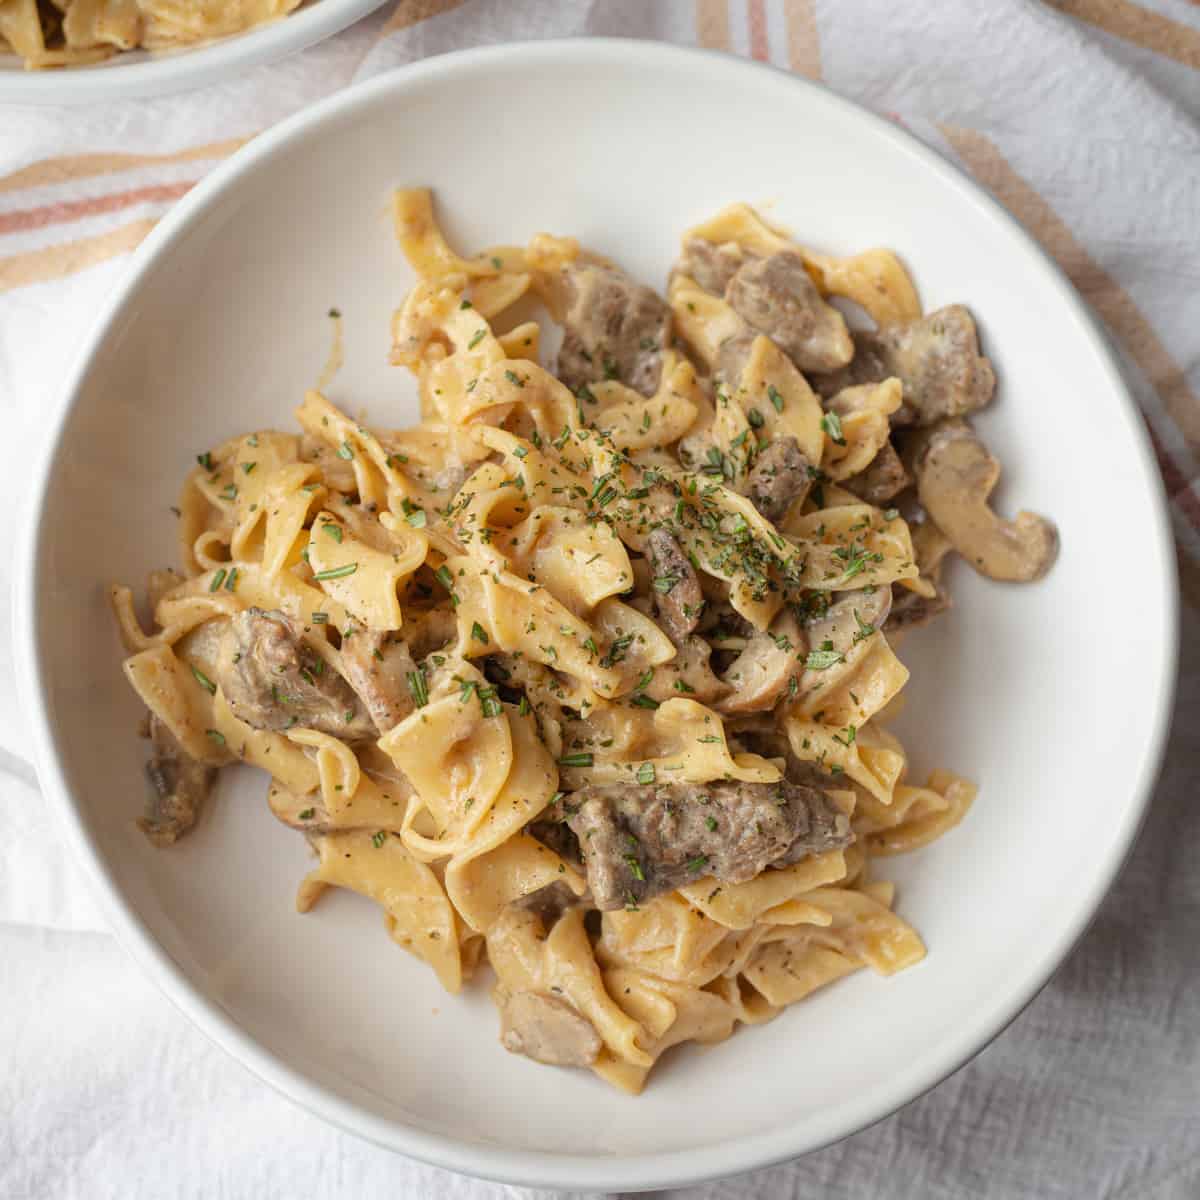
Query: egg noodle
[
  {"x": 558, "y": 677},
  {"x": 71, "y": 33}
]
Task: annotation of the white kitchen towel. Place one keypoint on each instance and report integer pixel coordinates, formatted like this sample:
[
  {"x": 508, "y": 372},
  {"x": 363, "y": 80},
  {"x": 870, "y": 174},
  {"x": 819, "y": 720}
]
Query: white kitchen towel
[{"x": 1083, "y": 117}]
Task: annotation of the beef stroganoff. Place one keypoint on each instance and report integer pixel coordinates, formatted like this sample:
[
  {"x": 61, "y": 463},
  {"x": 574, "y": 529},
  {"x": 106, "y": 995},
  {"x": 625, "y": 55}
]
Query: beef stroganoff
[
  {"x": 72, "y": 33},
  {"x": 586, "y": 674}
]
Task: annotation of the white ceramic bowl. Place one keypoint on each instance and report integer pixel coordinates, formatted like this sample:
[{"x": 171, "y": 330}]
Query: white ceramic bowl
[
  {"x": 1055, "y": 697},
  {"x": 137, "y": 73}
]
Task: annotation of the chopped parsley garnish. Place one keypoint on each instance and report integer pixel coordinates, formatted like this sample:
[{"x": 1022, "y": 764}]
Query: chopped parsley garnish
[
  {"x": 821, "y": 660},
  {"x": 641, "y": 700},
  {"x": 205, "y": 460},
  {"x": 344, "y": 451},
  {"x": 832, "y": 424},
  {"x": 698, "y": 863},
  {"x": 320, "y": 618},
  {"x": 616, "y": 651},
  {"x": 645, "y": 773},
  {"x": 476, "y": 338},
  {"x": 417, "y": 687},
  {"x": 417, "y": 518},
  {"x": 636, "y": 868},
  {"x": 711, "y": 824},
  {"x": 774, "y": 396},
  {"x": 217, "y": 580},
  {"x": 479, "y": 633},
  {"x": 231, "y": 582},
  {"x": 337, "y": 572},
  {"x": 216, "y": 735},
  {"x": 334, "y": 531},
  {"x": 204, "y": 681},
  {"x": 308, "y": 814},
  {"x": 377, "y": 839},
  {"x": 229, "y": 492},
  {"x": 443, "y": 576},
  {"x": 582, "y": 759}
]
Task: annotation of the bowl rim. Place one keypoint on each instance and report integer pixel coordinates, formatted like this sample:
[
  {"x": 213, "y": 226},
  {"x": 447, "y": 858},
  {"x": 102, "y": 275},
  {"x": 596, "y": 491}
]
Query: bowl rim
[
  {"x": 482, "y": 1159},
  {"x": 185, "y": 68}
]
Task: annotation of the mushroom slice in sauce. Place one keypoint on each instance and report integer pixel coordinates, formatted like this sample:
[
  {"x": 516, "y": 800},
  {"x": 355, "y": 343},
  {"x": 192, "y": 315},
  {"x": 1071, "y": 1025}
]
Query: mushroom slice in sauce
[
  {"x": 955, "y": 477},
  {"x": 181, "y": 785},
  {"x": 761, "y": 674},
  {"x": 378, "y": 667},
  {"x": 546, "y": 1029},
  {"x": 274, "y": 680}
]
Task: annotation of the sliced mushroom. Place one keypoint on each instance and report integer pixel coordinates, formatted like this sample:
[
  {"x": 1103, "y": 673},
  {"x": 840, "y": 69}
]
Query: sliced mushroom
[
  {"x": 834, "y": 633},
  {"x": 762, "y": 673},
  {"x": 687, "y": 674},
  {"x": 274, "y": 679},
  {"x": 181, "y": 785},
  {"x": 955, "y": 477},
  {"x": 910, "y": 609},
  {"x": 546, "y": 1029},
  {"x": 677, "y": 594},
  {"x": 379, "y": 667},
  {"x": 776, "y": 296}
]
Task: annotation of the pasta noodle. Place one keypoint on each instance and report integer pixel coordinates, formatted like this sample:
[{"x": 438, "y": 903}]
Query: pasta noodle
[{"x": 583, "y": 674}]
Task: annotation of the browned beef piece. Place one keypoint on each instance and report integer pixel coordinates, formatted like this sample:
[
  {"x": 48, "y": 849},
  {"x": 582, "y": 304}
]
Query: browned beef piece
[
  {"x": 710, "y": 265},
  {"x": 378, "y": 666},
  {"x": 181, "y": 785},
  {"x": 775, "y": 296},
  {"x": 638, "y": 842},
  {"x": 273, "y": 680},
  {"x": 883, "y": 480},
  {"x": 779, "y": 477},
  {"x": 677, "y": 594},
  {"x": 937, "y": 360},
  {"x": 613, "y": 328}
]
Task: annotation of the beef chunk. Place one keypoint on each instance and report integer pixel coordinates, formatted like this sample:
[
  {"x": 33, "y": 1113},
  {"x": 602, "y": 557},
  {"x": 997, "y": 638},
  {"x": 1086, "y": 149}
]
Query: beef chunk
[
  {"x": 884, "y": 478},
  {"x": 779, "y": 477},
  {"x": 638, "y": 842},
  {"x": 181, "y": 785},
  {"x": 613, "y": 328},
  {"x": 273, "y": 680},
  {"x": 378, "y": 667},
  {"x": 775, "y": 296},
  {"x": 710, "y": 265},
  {"x": 677, "y": 594},
  {"x": 937, "y": 360}
]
